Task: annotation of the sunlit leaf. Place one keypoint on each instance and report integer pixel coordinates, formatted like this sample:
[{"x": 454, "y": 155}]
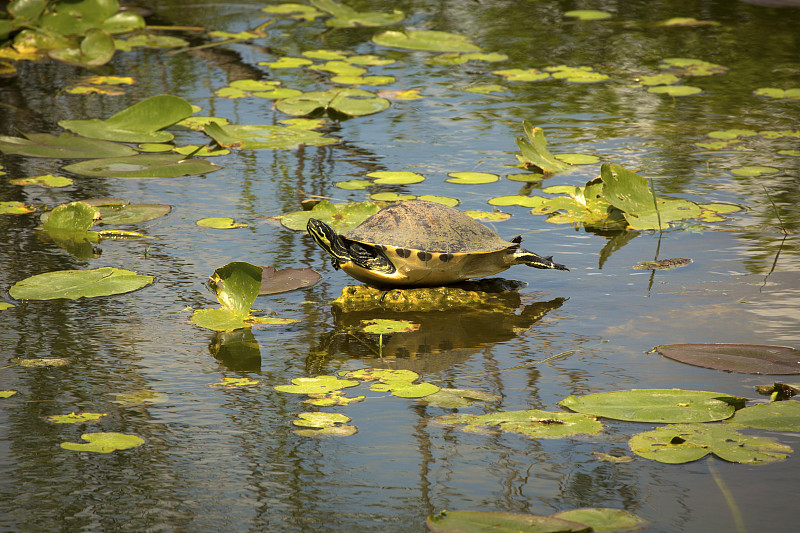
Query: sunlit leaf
[
  {"x": 491, "y": 216},
  {"x": 341, "y": 217},
  {"x": 518, "y": 74},
  {"x": 500, "y": 522},
  {"x": 332, "y": 398},
  {"x": 732, "y": 134},
  {"x": 48, "y": 180},
  {"x": 149, "y": 40},
  {"x": 675, "y": 90},
  {"x": 780, "y": 94},
  {"x": 324, "y": 424},
  {"x": 370, "y": 60},
  {"x": 6, "y": 305},
  {"x": 363, "y": 80},
  {"x": 345, "y": 17},
  {"x": 533, "y": 152},
  {"x": 444, "y": 200},
  {"x": 219, "y": 319},
  {"x": 288, "y": 62},
  {"x": 578, "y": 159},
  {"x": 44, "y": 362},
  {"x": 391, "y": 177},
  {"x": 6, "y": 393},
  {"x": 63, "y": 146},
  {"x": 472, "y": 178},
  {"x": 742, "y": 358},
  {"x": 76, "y": 418},
  {"x": 334, "y": 102},
  {"x": 298, "y": 11},
  {"x": 603, "y": 519},
  {"x": 665, "y": 78},
  {"x": 774, "y": 416},
  {"x": 404, "y": 389},
  {"x": 220, "y": 223},
  {"x": 682, "y": 443},
  {"x": 485, "y": 89},
  {"x": 140, "y": 397},
  {"x": 326, "y": 55},
  {"x": 434, "y": 41},
  {"x": 235, "y": 383},
  {"x": 656, "y": 405},
  {"x": 341, "y": 67},
  {"x": 683, "y": 66},
  {"x": 532, "y": 423},
  {"x": 353, "y": 185},
  {"x": 460, "y": 59},
  {"x": 687, "y": 21},
  {"x": 236, "y": 286},
  {"x": 409, "y": 94},
  {"x": 74, "y": 217},
  {"x": 754, "y": 171},
  {"x": 316, "y": 385},
  {"x": 104, "y": 442},
  {"x": 382, "y": 374},
  {"x": 74, "y": 284},
  {"x": 96, "y": 49},
  {"x": 576, "y": 74},
  {"x": 391, "y": 197},
  {"x": 384, "y": 326},
  {"x": 143, "y": 166},
  {"x": 265, "y": 137},
  {"x": 588, "y": 14}
]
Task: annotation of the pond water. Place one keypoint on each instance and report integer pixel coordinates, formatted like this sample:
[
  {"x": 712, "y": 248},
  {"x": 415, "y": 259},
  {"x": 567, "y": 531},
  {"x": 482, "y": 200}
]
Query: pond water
[{"x": 228, "y": 459}]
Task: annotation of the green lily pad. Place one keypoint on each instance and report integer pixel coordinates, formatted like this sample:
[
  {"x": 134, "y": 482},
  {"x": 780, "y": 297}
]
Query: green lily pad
[
  {"x": 682, "y": 66},
  {"x": 140, "y": 397},
  {"x": 461, "y": 58},
  {"x": 391, "y": 197},
  {"x": 363, "y": 80},
  {"x": 665, "y": 78},
  {"x": 143, "y": 166},
  {"x": 576, "y": 74},
  {"x": 390, "y": 177},
  {"x": 404, "y": 389},
  {"x": 149, "y": 40},
  {"x": 332, "y": 398},
  {"x": 370, "y": 60},
  {"x": 427, "y": 40},
  {"x": 472, "y": 178},
  {"x": 741, "y": 358},
  {"x": 219, "y": 319},
  {"x": 43, "y": 362},
  {"x": 63, "y": 146},
  {"x": 533, "y": 152},
  {"x": 139, "y": 123},
  {"x": 675, "y": 90},
  {"x": 220, "y": 223},
  {"x": 500, "y": 522},
  {"x": 683, "y": 443},
  {"x": 326, "y": 55},
  {"x": 288, "y": 62},
  {"x": 316, "y": 385},
  {"x": 687, "y": 21},
  {"x": 791, "y": 153},
  {"x": 74, "y": 284},
  {"x": 341, "y": 67},
  {"x": 458, "y": 398},
  {"x": 485, "y": 89},
  {"x": 104, "y": 442},
  {"x": 754, "y": 171},
  {"x": 298, "y": 11},
  {"x": 386, "y": 326},
  {"x": 578, "y": 159},
  {"x": 529, "y": 177},
  {"x": 656, "y": 405},
  {"x": 732, "y": 134},
  {"x": 96, "y": 48},
  {"x": 342, "y": 217},
  {"x": 6, "y": 305},
  {"x": 381, "y": 374},
  {"x": 347, "y": 17},
  {"x": 491, "y": 216},
  {"x": 444, "y": 200},
  {"x": 774, "y": 416},
  {"x": 532, "y": 423},
  {"x": 48, "y": 180},
  {"x": 588, "y": 14},
  {"x": 324, "y": 424},
  {"x": 76, "y": 418},
  {"x": 265, "y": 137},
  {"x": 128, "y": 213},
  {"x": 70, "y": 220},
  {"x": 353, "y": 185},
  {"x": 604, "y": 519},
  {"x": 336, "y": 103},
  {"x": 780, "y": 94},
  {"x": 518, "y": 74},
  {"x": 236, "y": 286},
  {"x": 516, "y": 199}
]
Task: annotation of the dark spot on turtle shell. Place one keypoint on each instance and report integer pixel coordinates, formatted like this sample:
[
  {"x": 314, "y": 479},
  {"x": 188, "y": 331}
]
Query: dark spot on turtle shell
[
  {"x": 424, "y": 256},
  {"x": 402, "y": 252},
  {"x": 444, "y": 258}
]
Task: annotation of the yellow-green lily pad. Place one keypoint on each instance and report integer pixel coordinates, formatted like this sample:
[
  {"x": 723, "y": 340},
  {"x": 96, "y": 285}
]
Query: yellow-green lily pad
[
  {"x": 386, "y": 326},
  {"x": 220, "y": 223},
  {"x": 76, "y": 418},
  {"x": 675, "y": 90},
  {"x": 143, "y": 166},
  {"x": 754, "y": 171},
  {"x": 604, "y": 519},
  {"x": 390, "y": 177},
  {"x": 316, "y": 385},
  {"x": 104, "y": 442},
  {"x": 7, "y": 393},
  {"x": 235, "y": 383},
  {"x": 780, "y": 94},
  {"x": 64, "y": 146},
  {"x": 255, "y": 137},
  {"x": 74, "y": 284},
  {"x": 588, "y": 14},
  {"x": 519, "y": 74},
  {"x": 428, "y": 40},
  {"x": 444, "y": 200},
  {"x": 774, "y": 416},
  {"x": 472, "y": 178}
]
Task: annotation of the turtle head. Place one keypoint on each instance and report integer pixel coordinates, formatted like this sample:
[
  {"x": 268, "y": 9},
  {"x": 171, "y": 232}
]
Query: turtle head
[
  {"x": 328, "y": 240},
  {"x": 536, "y": 261}
]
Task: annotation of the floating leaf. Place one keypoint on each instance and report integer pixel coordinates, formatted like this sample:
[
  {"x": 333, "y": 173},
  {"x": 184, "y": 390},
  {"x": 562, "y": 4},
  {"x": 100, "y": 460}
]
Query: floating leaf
[
  {"x": 683, "y": 66},
  {"x": 235, "y": 383},
  {"x": 391, "y": 197},
  {"x": 129, "y": 213},
  {"x": 324, "y": 424},
  {"x": 665, "y": 78},
  {"x": 6, "y": 305},
  {"x": 604, "y": 519},
  {"x": 326, "y": 55},
  {"x": 353, "y": 185},
  {"x": 149, "y": 40},
  {"x": 334, "y": 102},
  {"x": 533, "y": 152},
  {"x": 409, "y": 94},
  {"x": 530, "y": 177},
  {"x": 74, "y": 284},
  {"x": 754, "y": 171},
  {"x": 74, "y": 217},
  {"x": 458, "y": 398},
  {"x": 219, "y": 320},
  {"x": 341, "y": 217},
  {"x": 732, "y": 134},
  {"x": 675, "y": 90},
  {"x": 76, "y": 418},
  {"x": 485, "y": 89},
  {"x": 44, "y": 362},
  {"x": 288, "y": 62},
  {"x": 96, "y": 49},
  {"x": 316, "y": 385},
  {"x": 220, "y": 223},
  {"x": 298, "y": 11},
  {"x": 518, "y": 74},
  {"x": 404, "y": 389},
  {"x": 63, "y": 146},
  {"x": 265, "y": 137},
  {"x": 578, "y": 159},
  {"x": 385, "y": 326},
  {"x": 682, "y": 443},
  {"x": 332, "y": 398},
  {"x": 434, "y": 41},
  {"x": 472, "y": 178},
  {"x": 140, "y": 397},
  {"x": 460, "y": 59},
  {"x": 774, "y": 416},
  {"x": 444, "y": 200},
  {"x": 7, "y": 393},
  {"x": 286, "y": 279},
  {"x": 576, "y": 74},
  {"x": 532, "y": 423},
  {"x": 236, "y": 286},
  {"x": 48, "y": 180},
  {"x": 363, "y": 80},
  {"x": 588, "y": 14},
  {"x": 390, "y": 177},
  {"x": 346, "y": 17},
  {"x": 143, "y": 166},
  {"x": 500, "y": 522},
  {"x": 781, "y": 94},
  {"x": 742, "y": 358},
  {"x": 382, "y": 374},
  {"x": 104, "y": 442},
  {"x": 687, "y": 21},
  {"x": 491, "y": 216},
  {"x": 141, "y": 122},
  {"x": 516, "y": 199},
  {"x": 656, "y": 405}
]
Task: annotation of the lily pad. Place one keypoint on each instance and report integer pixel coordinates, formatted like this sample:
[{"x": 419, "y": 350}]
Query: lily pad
[
  {"x": 288, "y": 62},
  {"x": 47, "y": 180},
  {"x": 531, "y": 423},
  {"x": 70, "y": 220},
  {"x": 104, "y": 442},
  {"x": 741, "y": 358},
  {"x": 139, "y": 123},
  {"x": 391, "y": 197},
  {"x": 578, "y": 159},
  {"x": 143, "y": 166},
  {"x": 656, "y": 405},
  {"x": 129, "y": 213},
  {"x": 363, "y": 80},
  {"x": 444, "y": 200},
  {"x": 63, "y": 146},
  {"x": 236, "y": 287},
  {"x": 6, "y": 305},
  {"x": 581, "y": 74},
  {"x": 96, "y": 48},
  {"x": 337, "y": 103},
  {"x": 324, "y": 424},
  {"x": 683, "y": 443},
  {"x": 286, "y": 279},
  {"x": 6, "y": 393},
  {"x": 458, "y": 398},
  {"x": 683, "y": 66},
  {"x": 588, "y": 14},
  {"x": 391, "y": 177},
  {"x": 427, "y": 40},
  {"x": 533, "y": 152},
  {"x": 780, "y": 94},
  {"x": 353, "y": 185},
  {"x": 74, "y": 284},
  {"x": 76, "y": 418},
  {"x": 385, "y": 326},
  {"x": 265, "y": 137},
  {"x": 235, "y": 383},
  {"x": 404, "y": 389},
  {"x": 298, "y": 11},
  {"x": 381, "y": 374},
  {"x": 754, "y": 171},
  {"x": 472, "y": 178},
  {"x": 342, "y": 217},
  {"x": 220, "y": 223},
  {"x": 519, "y": 74},
  {"x": 604, "y": 519},
  {"x": 485, "y": 89},
  {"x": 316, "y": 385},
  {"x": 491, "y": 216},
  {"x": 774, "y": 416},
  {"x": 347, "y": 17},
  {"x": 332, "y": 398},
  {"x": 675, "y": 90},
  {"x": 500, "y": 522}
]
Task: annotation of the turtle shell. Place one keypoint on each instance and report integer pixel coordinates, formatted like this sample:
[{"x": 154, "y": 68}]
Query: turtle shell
[{"x": 421, "y": 226}]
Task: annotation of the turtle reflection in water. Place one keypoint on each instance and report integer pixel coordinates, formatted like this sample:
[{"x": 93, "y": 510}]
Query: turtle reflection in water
[{"x": 418, "y": 244}]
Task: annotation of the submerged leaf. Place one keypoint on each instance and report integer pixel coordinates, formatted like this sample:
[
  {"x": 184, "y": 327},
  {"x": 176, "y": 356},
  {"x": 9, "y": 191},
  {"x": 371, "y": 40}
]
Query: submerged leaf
[
  {"x": 742, "y": 358},
  {"x": 500, "y": 522},
  {"x": 434, "y": 41},
  {"x": 265, "y": 137}
]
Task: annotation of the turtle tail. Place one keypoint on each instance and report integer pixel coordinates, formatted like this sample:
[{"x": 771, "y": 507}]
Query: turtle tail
[
  {"x": 536, "y": 261},
  {"x": 328, "y": 240}
]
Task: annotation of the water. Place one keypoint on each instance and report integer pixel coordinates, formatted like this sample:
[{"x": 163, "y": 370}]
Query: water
[{"x": 218, "y": 459}]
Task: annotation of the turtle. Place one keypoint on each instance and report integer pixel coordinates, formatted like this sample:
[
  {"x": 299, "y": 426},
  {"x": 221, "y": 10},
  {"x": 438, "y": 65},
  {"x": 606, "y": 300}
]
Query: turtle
[{"x": 418, "y": 243}]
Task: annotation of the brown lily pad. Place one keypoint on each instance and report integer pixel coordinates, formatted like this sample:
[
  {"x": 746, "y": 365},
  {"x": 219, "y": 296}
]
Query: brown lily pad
[
  {"x": 286, "y": 279},
  {"x": 741, "y": 358}
]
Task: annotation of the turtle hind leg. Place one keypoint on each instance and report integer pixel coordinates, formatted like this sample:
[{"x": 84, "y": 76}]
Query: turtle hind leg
[
  {"x": 536, "y": 261},
  {"x": 328, "y": 240}
]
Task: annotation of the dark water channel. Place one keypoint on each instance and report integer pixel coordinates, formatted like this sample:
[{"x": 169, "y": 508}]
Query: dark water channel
[{"x": 228, "y": 459}]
